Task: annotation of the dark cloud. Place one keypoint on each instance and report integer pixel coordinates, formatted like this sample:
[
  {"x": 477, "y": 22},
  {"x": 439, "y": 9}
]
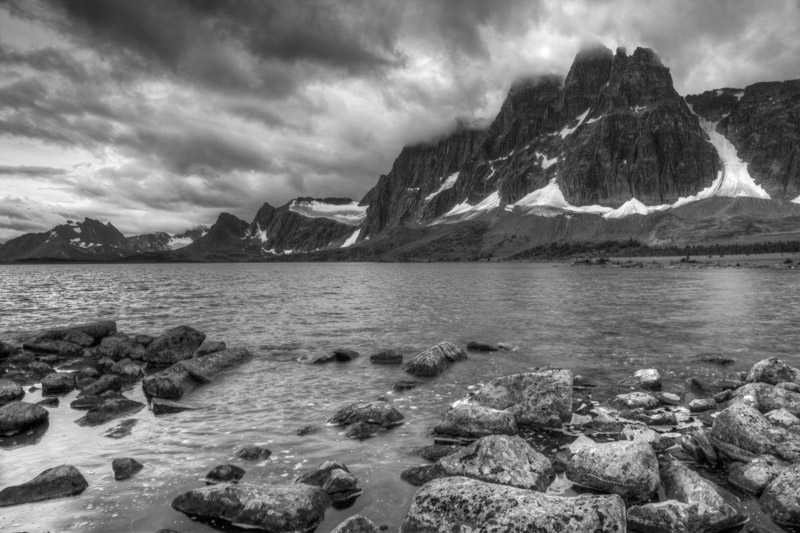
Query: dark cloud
[{"x": 23, "y": 170}]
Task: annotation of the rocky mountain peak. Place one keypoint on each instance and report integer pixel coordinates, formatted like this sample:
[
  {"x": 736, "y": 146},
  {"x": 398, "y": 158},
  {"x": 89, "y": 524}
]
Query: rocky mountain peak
[{"x": 590, "y": 71}]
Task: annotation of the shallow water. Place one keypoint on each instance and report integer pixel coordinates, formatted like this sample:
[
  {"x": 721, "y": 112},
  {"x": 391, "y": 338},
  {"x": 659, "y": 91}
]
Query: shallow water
[{"x": 604, "y": 323}]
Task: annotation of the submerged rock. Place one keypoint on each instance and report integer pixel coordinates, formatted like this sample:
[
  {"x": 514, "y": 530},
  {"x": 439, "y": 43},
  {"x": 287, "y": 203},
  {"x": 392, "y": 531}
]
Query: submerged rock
[
  {"x": 542, "y": 398},
  {"x": 57, "y": 482},
  {"x": 472, "y": 422},
  {"x": 627, "y": 468},
  {"x": 125, "y": 467},
  {"x": 17, "y": 416},
  {"x": 780, "y": 499},
  {"x": 123, "y": 429},
  {"x": 336, "y": 480},
  {"x": 405, "y": 384},
  {"x": 754, "y": 476},
  {"x": 363, "y": 430},
  {"x": 501, "y": 459},
  {"x": 251, "y": 452},
  {"x": 380, "y": 413},
  {"x": 475, "y": 346},
  {"x": 162, "y": 406},
  {"x": 710, "y": 387},
  {"x": 288, "y": 508},
  {"x": 434, "y": 360},
  {"x": 742, "y": 426},
  {"x": 109, "y": 408},
  {"x": 419, "y": 475},
  {"x": 387, "y": 357},
  {"x": 341, "y": 355},
  {"x": 184, "y": 376},
  {"x": 10, "y": 391},
  {"x": 224, "y": 473},
  {"x": 104, "y": 384},
  {"x": 356, "y": 524},
  {"x": 174, "y": 345},
  {"x": 648, "y": 379},
  {"x": 450, "y": 503},
  {"x": 772, "y": 371}
]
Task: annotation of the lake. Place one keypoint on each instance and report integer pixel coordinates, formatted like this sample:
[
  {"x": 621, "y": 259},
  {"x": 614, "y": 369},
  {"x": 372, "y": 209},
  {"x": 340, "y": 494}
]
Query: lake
[{"x": 602, "y": 323}]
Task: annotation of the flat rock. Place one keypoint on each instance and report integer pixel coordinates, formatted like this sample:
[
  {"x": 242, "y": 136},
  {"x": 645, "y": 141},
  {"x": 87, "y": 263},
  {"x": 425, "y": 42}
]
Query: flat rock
[
  {"x": 627, "y": 468},
  {"x": 174, "y": 345},
  {"x": 57, "y": 482},
  {"x": 434, "y": 452},
  {"x": 10, "y": 391},
  {"x": 125, "y": 467},
  {"x": 780, "y": 499},
  {"x": 105, "y": 383},
  {"x": 80, "y": 333},
  {"x": 635, "y": 400},
  {"x": 285, "y": 508},
  {"x": 419, "y": 475},
  {"x": 475, "y": 421},
  {"x": 163, "y": 406},
  {"x": 356, "y": 524},
  {"x": 474, "y": 346},
  {"x": 180, "y": 378},
  {"x": 754, "y": 476},
  {"x": 542, "y": 398},
  {"x": 17, "y": 416},
  {"x": 210, "y": 347},
  {"x": 387, "y": 357},
  {"x": 648, "y": 379},
  {"x": 765, "y": 398},
  {"x": 58, "y": 383},
  {"x": 702, "y": 404},
  {"x": 501, "y": 459},
  {"x": 784, "y": 419},
  {"x": 251, "y": 452},
  {"x": 772, "y": 371},
  {"x": 450, "y": 503},
  {"x": 743, "y": 427},
  {"x": 225, "y": 474},
  {"x": 381, "y": 413},
  {"x": 49, "y": 402},
  {"x": 67, "y": 349},
  {"x": 434, "y": 360},
  {"x": 109, "y": 408}
]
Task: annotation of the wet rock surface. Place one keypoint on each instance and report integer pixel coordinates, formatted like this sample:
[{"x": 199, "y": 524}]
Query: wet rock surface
[
  {"x": 251, "y": 452},
  {"x": 379, "y": 413},
  {"x": 753, "y": 477},
  {"x": 58, "y": 383},
  {"x": 174, "y": 345},
  {"x": 434, "y": 360},
  {"x": 57, "y": 482},
  {"x": 743, "y": 427},
  {"x": 470, "y": 422},
  {"x": 18, "y": 416},
  {"x": 10, "y": 391},
  {"x": 356, "y": 524},
  {"x": 109, "y": 408},
  {"x": 180, "y": 378},
  {"x": 224, "y": 474},
  {"x": 125, "y": 467},
  {"x": 387, "y": 357},
  {"x": 336, "y": 480},
  {"x": 629, "y": 469},
  {"x": 647, "y": 379}
]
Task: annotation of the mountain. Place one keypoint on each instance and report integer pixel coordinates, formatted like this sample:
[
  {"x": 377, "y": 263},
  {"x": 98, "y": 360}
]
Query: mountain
[{"x": 610, "y": 152}]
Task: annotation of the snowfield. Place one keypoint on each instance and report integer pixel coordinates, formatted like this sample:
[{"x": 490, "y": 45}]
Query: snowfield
[
  {"x": 351, "y": 214},
  {"x": 448, "y": 184}
]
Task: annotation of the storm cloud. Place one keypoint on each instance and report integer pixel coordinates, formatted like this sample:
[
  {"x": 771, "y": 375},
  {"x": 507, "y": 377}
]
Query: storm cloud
[{"x": 159, "y": 114}]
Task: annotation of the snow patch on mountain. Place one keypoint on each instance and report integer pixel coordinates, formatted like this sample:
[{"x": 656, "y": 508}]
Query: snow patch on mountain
[
  {"x": 351, "y": 240},
  {"x": 734, "y": 180},
  {"x": 465, "y": 211},
  {"x": 448, "y": 184},
  {"x": 551, "y": 196},
  {"x": 567, "y": 130},
  {"x": 634, "y": 207},
  {"x": 546, "y": 161},
  {"x": 351, "y": 213},
  {"x": 796, "y": 200}
]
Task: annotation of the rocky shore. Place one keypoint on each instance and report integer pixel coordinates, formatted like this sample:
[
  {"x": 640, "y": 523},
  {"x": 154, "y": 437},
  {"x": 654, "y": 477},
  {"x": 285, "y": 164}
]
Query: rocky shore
[{"x": 708, "y": 456}]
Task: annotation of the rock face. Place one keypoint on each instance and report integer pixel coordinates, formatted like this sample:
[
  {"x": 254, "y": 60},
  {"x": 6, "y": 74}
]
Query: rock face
[
  {"x": 745, "y": 428},
  {"x": 470, "y": 422},
  {"x": 757, "y": 120},
  {"x": 288, "y": 508},
  {"x": 64, "y": 480},
  {"x": 780, "y": 500},
  {"x": 501, "y": 459},
  {"x": 450, "y": 503},
  {"x": 434, "y": 360},
  {"x": 175, "y": 345},
  {"x": 17, "y": 416},
  {"x": 542, "y": 398},
  {"x": 183, "y": 376},
  {"x": 627, "y": 468}
]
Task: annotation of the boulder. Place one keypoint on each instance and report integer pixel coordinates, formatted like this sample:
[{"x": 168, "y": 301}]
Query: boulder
[
  {"x": 336, "y": 480},
  {"x": 419, "y": 475},
  {"x": 224, "y": 474},
  {"x": 287, "y": 508},
  {"x": 143, "y": 340},
  {"x": 6, "y": 350},
  {"x": 104, "y": 384},
  {"x": 784, "y": 419},
  {"x": 648, "y": 379},
  {"x": 127, "y": 370},
  {"x": 109, "y": 408},
  {"x": 702, "y": 404},
  {"x": 501, "y": 459},
  {"x": 754, "y": 476},
  {"x": 363, "y": 430},
  {"x": 64, "y": 348},
  {"x": 449, "y": 504},
  {"x": 125, "y": 467},
  {"x": 470, "y": 422},
  {"x": 387, "y": 357},
  {"x": 434, "y": 452},
  {"x": 210, "y": 347},
  {"x": 788, "y": 385},
  {"x": 627, "y": 468},
  {"x": 475, "y": 346},
  {"x": 767, "y": 398},
  {"x": 57, "y": 482},
  {"x": 635, "y": 400},
  {"x": 183, "y": 376},
  {"x": 115, "y": 347},
  {"x": 174, "y": 345},
  {"x": 38, "y": 369},
  {"x": 356, "y": 524},
  {"x": 251, "y": 452},
  {"x": 22, "y": 359},
  {"x": 17, "y": 416},
  {"x": 780, "y": 499},
  {"x": 742, "y": 426},
  {"x": 542, "y": 398},
  {"x": 10, "y": 391},
  {"x": 49, "y": 402},
  {"x": 698, "y": 444},
  {"x": 434, "y": 360},
  {"x": 339, "y": 354},
  {"x": 772, "y": 371},
  {"x": 80, "y": 334},
  {"x": 381, "y": 413},
  {"x": 58, "y": 383}
]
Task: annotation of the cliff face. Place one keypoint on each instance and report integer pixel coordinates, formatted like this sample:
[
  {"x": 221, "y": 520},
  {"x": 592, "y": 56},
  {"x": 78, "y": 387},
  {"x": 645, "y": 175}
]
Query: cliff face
[
  {"x": 417, "y": 187},
  {"x": 89, "y": 240},
  {"x": 763, "y": 122}
]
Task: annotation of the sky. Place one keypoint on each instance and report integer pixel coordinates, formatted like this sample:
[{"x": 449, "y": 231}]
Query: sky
[{"x": 157, "y": 115}]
